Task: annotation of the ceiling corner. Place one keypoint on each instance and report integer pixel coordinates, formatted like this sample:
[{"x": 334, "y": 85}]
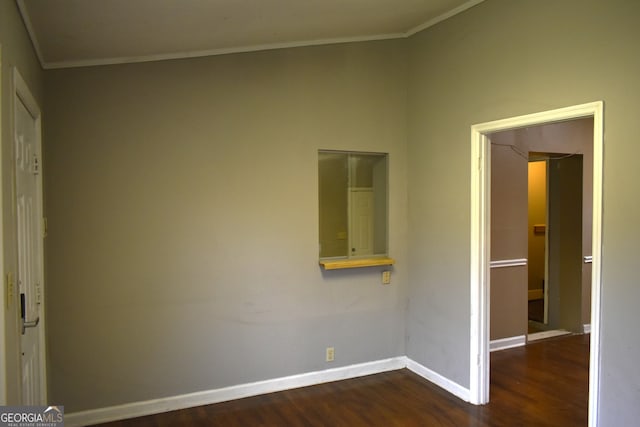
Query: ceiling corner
[
  {"x": 466, "y": 5},
  {"x": 26, "y": 19}
]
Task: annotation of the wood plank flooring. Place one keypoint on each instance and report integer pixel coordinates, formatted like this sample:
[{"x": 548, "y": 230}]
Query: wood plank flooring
[{"x": 542, "y": 384}]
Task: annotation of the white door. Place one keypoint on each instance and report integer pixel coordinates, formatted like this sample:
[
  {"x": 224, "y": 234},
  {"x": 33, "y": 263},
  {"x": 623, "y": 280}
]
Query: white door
[
  {"x": 29, "y": 243},
  {"x": 361, "y": 221}
]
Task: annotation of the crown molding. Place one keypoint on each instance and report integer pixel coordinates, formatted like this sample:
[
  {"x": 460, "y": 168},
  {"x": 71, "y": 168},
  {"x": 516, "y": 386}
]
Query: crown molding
[
  {"x": 225, "y": 51},
  {"x": 430, "y": 23},
  {"x": 214, "y": 52}
]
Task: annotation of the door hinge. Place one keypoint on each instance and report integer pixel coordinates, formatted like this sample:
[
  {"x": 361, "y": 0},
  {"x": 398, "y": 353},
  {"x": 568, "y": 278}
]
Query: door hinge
[
  {"x": 11, "y": 289},
  {"x": 36, "y": 165},
  {"x": 38, "y": 293},
  {"x": 45, "y": 227}
]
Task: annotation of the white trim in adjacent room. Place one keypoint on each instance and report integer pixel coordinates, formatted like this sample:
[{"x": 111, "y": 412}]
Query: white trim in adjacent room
[
  {"x": 480, "y": 243},
  {"x": 509, "y": 342},
  {"x": 508, "y": 263},
  {"x": 547, "y": 334},
  {"x": 586, "y": 328}
]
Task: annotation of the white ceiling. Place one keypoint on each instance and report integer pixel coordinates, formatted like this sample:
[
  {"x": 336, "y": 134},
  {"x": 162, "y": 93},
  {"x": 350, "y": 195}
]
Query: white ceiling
[{"x": 70, "y": 33}]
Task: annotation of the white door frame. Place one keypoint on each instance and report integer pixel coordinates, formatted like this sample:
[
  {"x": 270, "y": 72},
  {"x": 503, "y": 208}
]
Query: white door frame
[
  {"x": 21, "y": 90},
  {"x": 481, "y": 243},
  {"x": 3, "y": 303}
]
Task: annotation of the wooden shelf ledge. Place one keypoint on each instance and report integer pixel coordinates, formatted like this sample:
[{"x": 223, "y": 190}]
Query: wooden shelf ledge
[{"x": 336, "y": 264}]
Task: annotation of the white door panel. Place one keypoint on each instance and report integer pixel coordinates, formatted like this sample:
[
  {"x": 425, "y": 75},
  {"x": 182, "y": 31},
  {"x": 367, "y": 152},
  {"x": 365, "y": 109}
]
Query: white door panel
[
  {"x": 361, "y": 221},
  {"x": 29, "y": 246}
]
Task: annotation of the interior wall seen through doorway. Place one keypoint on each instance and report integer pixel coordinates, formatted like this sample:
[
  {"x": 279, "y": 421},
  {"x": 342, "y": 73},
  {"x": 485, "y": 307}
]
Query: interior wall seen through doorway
[{"x": 509, "y": 222}]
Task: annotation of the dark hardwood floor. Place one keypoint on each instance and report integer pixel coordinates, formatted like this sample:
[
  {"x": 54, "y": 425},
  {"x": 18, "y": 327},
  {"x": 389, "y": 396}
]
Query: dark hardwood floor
[{"x": 542, "y": 384}]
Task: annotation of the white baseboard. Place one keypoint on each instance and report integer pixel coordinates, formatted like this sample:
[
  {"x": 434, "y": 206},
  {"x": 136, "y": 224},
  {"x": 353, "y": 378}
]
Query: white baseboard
[
  {"x": 586, "y": 328},
  {"x": 535, "y": 294},
  {"x": 157, "y": 406},
  {"x": 547, "y": 334},
  {"x": 445, "y": 383},
  {"x": 509, "y": 342}
]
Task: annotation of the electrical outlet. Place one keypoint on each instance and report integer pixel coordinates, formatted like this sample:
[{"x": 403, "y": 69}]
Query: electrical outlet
[
  {"x": 330, "y": 354},
  {"x": 386, "y": 277}
]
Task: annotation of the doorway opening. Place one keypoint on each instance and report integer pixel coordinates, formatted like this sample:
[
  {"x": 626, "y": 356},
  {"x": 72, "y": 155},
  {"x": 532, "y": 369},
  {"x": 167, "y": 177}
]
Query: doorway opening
[
  {"x": 537, "y": 305},
  {"x": 559, "y": 233},
  {"x": 540, "y": 199},
  {"x": 481, "y": 251}
]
